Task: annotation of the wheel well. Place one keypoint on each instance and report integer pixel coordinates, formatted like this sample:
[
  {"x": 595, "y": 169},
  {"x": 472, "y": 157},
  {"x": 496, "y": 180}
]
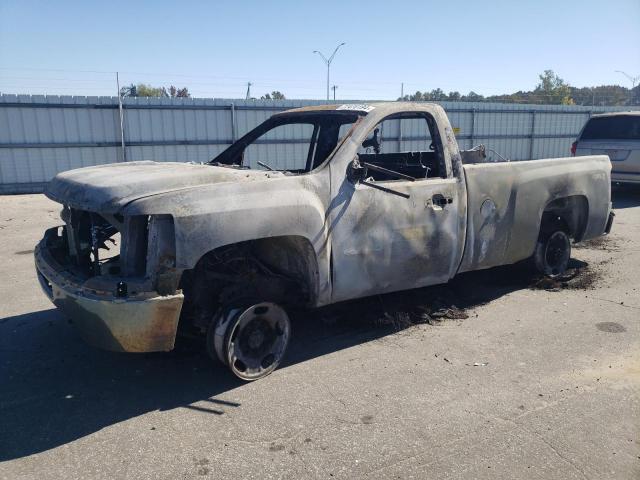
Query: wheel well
[
  {"x": 281, "y": 269},
  {"x": 292, "y": 256},
  {"x": 572, "y": 212}
]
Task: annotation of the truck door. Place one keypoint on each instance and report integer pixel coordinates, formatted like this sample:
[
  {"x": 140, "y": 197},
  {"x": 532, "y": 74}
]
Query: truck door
[{"x": 394, "y": 216}]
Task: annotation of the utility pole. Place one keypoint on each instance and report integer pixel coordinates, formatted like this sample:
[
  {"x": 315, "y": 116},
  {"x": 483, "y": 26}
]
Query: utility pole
[
  {"x": 402, "y": 91},
  {"x": 248, "y": 96},
  {"x": 328, "y": 61},
  {"x": 121, "y": 111},
  {"x": 334, "y": 92}
]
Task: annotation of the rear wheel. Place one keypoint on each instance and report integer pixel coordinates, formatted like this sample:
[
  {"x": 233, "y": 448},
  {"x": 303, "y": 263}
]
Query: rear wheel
[
  {"x": 553, "y": 252},
  {"x": 251, "y": 339}
]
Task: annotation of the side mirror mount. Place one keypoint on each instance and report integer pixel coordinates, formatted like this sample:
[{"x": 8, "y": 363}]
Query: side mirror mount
[{"x": 356, "y": 172}]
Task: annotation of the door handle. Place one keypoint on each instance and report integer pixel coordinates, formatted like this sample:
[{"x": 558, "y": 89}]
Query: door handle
[{"x": 441, "y": 200}]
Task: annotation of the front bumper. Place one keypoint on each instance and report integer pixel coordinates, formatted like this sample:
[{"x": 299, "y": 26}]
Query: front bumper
[{"x": 144, "y": 322}]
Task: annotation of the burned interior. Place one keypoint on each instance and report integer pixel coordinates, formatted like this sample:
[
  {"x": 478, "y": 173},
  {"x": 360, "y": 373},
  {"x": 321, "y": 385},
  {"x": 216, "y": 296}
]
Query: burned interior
[{"x": 386, "y": 148}]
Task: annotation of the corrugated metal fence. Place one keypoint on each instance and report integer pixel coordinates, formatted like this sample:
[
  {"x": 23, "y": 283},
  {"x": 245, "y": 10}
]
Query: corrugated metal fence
[{"x": 43, "y": 135}]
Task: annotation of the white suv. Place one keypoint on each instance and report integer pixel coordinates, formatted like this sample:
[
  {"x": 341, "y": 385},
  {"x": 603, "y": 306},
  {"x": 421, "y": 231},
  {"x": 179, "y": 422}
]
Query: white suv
[{"x": 616, "y": 135}]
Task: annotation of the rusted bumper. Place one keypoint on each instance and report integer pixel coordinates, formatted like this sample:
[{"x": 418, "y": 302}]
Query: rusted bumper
[{"x": 145, "y": 322}]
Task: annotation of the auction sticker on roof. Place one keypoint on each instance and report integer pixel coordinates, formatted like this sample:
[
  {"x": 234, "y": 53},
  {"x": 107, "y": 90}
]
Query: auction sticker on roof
[{"x": 360, "y": 107}]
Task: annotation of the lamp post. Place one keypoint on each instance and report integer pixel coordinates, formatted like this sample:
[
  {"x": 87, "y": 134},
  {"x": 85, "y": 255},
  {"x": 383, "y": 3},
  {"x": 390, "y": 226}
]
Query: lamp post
[
  {"x": 328, "y": 62},
  {"x": 633, "y": 80}
]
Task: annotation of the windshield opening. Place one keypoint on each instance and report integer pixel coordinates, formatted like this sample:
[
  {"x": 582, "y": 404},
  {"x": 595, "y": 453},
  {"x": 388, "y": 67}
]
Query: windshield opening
[{"x": 296, "y": 143}]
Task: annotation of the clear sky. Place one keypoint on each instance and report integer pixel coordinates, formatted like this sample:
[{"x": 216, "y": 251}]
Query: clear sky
[{"x": 215, "y": 47}]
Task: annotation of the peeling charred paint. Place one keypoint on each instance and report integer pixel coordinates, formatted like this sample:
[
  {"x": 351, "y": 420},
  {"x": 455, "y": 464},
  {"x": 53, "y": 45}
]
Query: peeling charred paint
[
  {"x": 521, "y": 193},
  {"x": 339, "y": 237}
]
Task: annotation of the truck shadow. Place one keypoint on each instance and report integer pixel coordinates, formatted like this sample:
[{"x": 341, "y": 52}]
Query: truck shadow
[{"x": 55, "y": 389}]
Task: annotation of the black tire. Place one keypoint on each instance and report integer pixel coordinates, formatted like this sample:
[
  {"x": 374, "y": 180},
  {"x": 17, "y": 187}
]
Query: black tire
[
  {"x": 553, "y": 252},
  {"x": 211, "y": 338}
]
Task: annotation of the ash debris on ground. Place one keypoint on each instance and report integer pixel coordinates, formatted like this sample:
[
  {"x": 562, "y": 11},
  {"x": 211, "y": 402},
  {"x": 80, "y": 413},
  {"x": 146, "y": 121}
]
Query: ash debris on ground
[
  {"x": 416, "y": 312},
  {"x": 430, "y": 305},
  {"x": 401, "y": 310},
  {"x": 605, "y": 243},
  {"x": 580, "y": 277},
  {"x": 454, "y": 301}
]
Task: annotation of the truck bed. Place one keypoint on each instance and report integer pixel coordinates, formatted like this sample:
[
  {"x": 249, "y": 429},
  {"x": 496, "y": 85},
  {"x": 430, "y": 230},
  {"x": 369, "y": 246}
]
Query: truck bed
[{"x": 504, "y": 197}]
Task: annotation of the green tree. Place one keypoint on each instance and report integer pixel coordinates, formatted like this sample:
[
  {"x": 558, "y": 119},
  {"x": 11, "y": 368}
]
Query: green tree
[
  {"x": 179, "y": 92},
  {"x": 472, "y": 97},
  {"x": 634, "y": 96},
  {"x": 552, "y": 89},
  {"x": 436, "y": 95},
  {"x": 144, "y": 90},
  {"x": 275, "y": 95},
  {"x": 603, "y": 94},
  {"x": 454, "y": 96},
  {"x": 416, "y": 97},
  {"x": 129, "y": 91}
]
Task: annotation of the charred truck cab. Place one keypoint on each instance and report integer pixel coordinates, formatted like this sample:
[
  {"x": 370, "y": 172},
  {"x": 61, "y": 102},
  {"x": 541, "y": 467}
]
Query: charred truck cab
[{"x": 376, "y": 198}]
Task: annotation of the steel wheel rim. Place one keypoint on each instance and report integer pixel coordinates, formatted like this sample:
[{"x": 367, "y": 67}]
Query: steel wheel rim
[{"x": 257, "y": 341}]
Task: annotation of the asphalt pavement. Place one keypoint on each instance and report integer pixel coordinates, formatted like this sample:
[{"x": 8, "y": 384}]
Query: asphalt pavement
[{"x": 538, "y": 381}]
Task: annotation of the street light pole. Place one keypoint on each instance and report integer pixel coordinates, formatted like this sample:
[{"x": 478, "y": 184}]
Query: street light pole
[
  {"x": 633, "y": 80},
  {"x": 328, "y": 62},
  {"x": 328, "y": 66}
]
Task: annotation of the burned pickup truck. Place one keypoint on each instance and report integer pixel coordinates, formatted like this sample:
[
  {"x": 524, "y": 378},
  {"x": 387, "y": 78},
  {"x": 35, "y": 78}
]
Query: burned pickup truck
[{"x": 376, "y": 198}]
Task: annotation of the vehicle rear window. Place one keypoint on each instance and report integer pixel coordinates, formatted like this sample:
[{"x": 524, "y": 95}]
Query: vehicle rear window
[{"x": 624, "y": 127}]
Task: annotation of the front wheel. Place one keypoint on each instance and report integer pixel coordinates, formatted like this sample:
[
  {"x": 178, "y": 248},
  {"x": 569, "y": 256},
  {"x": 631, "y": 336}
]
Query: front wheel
[
  {"x": 552, "y": 253},
  {"x": 251, "y": 339}
]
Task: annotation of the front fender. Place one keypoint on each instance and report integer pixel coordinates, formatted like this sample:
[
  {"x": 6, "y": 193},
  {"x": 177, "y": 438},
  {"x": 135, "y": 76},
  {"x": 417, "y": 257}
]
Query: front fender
[
  {"x": 249, "y": 217},
  {"x": 210, "y": 217}
]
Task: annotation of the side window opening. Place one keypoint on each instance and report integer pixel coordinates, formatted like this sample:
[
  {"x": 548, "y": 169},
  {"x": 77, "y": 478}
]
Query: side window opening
[{"x": 406, "y": 143}]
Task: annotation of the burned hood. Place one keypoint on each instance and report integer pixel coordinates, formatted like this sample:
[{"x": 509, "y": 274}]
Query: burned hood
[{"x": 108, "y": 188}]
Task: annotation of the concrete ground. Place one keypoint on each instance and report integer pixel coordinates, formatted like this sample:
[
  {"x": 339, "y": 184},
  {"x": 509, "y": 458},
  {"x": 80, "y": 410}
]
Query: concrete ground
[{"x": 554, "y": 394}]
